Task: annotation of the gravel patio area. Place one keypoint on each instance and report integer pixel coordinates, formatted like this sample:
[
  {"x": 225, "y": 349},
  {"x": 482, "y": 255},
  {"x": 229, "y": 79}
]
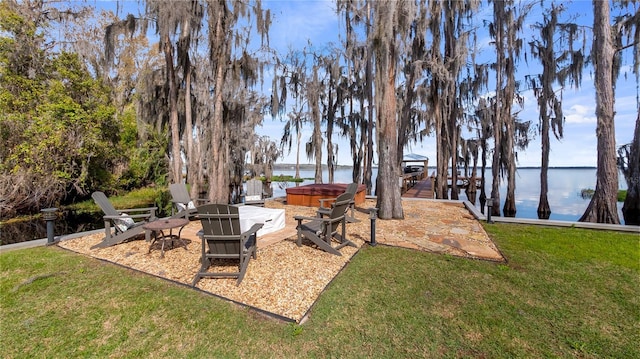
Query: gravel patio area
[{"x": 286, "y": 279}]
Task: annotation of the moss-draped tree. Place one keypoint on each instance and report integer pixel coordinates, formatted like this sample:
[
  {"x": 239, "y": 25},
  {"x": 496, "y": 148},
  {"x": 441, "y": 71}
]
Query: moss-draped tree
[
  {"x": 391, "y": 20},
  {"x": 603, "y": 205},
  {"x": 561, "y": 63}
]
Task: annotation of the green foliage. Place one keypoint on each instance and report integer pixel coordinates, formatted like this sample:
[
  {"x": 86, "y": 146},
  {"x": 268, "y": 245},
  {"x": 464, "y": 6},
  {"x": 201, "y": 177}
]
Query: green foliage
[
  {"x": 129, "y": 129},
  {"x": 587, "y": 193},
  {"x": 142, "y": 197},
  {"x": 65, "y": 139},
  {"x": 622, "y": 195},
  {"x": 60, "y": 133},
  {"x": 146, "y": 163},
  {"x": 283, "y": 178}
]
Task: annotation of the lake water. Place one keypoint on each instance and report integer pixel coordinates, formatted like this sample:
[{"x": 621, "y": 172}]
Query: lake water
[{"x": 564, "y": 197}]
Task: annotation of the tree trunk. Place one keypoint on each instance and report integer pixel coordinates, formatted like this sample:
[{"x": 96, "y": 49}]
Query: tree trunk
[
  {"x": 452, "y": 127},
  {"x": 603, "y": 205},
  {"x": 200, "y": 161},
  {"x": 176, "y": 159},
  {"x": 405, "y": 114},
  {"x": 508, "y": 151},
  {"x": 495, "y": 165},
  {"x": 509, "y": 208},
  {"x": 330, "y": 116},
  {"x": 498, "y": 121},
  {"x": 544, "y": 211},
  {"x": 450, "y": 113},
  {"x": 356, "y": 146},
  {"x": 442, "y": 159},
  {"x": 314, "y": 100},
  {"x": 442, "y": 147},
  {"x": 298, "y": 139},
  {"x": 631, "y": 207},
  {"x": 368, "y": 87},
  {"x": 218, "y": 173},
  {"x": 472, "y": 189},
  {"x": 387, "y": 188},
  {"x": 483, "y": 170},
  {"x": 368, "y": 173},
  {"x": 192, "y": 162},
  {"x": 453, "y": 140}
]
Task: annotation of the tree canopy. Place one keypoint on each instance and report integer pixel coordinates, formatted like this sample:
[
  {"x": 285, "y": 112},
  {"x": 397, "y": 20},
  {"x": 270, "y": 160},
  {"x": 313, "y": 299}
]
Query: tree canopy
[{"x": 99, "y": 101}]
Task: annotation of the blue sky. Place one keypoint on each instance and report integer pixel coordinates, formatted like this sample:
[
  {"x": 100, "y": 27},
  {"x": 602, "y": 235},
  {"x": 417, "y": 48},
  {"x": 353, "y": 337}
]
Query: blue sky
[{"x": 298, "y": 21}]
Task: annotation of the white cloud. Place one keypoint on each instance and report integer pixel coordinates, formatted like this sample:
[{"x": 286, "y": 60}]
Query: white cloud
[
  {"x": 580, "y": 114},
  {"x": 297, "y": 21}
]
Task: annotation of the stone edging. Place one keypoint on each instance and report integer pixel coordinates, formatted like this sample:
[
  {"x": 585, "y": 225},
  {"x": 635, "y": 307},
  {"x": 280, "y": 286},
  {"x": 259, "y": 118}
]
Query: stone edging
[{"x": 44, "y": 241}]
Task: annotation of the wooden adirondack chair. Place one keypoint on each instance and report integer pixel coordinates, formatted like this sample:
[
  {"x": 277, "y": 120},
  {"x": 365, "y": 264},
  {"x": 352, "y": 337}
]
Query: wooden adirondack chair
[
  {"x": 123, "y": 221},
  {"x": 322, "y": 230},
  {"x": 254, "y": 195},
  {"x": 325, "y": 210},
  {"x": 183, "y": 205},
  {"x": 222, "y": 238}
]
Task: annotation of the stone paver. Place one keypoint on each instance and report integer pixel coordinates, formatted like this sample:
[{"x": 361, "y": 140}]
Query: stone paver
[
  {"x": 439, "y": 227},
  {"x": 432, "y": 226}
]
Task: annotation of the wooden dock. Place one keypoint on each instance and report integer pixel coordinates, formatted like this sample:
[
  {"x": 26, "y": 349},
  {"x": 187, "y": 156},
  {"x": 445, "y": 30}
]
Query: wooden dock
[{"x": 421, "y": 189}]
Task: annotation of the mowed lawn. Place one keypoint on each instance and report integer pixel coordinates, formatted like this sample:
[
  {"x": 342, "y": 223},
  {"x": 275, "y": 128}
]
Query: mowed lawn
[{"x": 563, "y": 293}]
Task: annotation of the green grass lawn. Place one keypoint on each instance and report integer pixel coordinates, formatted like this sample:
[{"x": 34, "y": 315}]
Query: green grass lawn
[{"x": 563, "y": 293}]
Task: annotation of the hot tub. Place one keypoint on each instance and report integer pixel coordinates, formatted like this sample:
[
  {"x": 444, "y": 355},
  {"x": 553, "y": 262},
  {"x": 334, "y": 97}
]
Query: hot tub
[{"x": 311, "y": 194}]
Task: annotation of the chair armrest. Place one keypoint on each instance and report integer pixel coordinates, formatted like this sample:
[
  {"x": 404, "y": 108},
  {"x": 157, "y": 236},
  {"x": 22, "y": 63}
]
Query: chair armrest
[
  {"x": 323, "y": 211},
  {"x": 145, "y": 215},
  {"x": 301, "y": 218},
  {"x": 151, "y": 213},
  {"x": 332, "y": 220},
  {"x": 324, "y": 220},
  {"x": 255, "y": 228},
  {"x": 323, "y": 200},
  {"x": 138, "y": 209}
]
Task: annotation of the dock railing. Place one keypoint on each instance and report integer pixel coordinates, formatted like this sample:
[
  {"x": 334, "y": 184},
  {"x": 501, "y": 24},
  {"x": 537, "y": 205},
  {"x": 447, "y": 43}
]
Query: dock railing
[{"x": 408, "y": 180}]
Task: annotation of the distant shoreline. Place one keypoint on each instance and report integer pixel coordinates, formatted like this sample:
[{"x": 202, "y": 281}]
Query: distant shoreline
[{"x": 306, "y": 166}]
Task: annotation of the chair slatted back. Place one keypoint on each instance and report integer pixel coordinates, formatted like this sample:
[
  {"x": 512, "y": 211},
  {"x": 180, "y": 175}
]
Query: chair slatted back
[
  {"x": 103, "y": 202},
  {"x": 254, "y": 187},
  {"x": 179, "y": 193},
  {"x": 339, "y": 209},
  {"x": 351, "y": 188},
  {"x": 221, "y": 228}
]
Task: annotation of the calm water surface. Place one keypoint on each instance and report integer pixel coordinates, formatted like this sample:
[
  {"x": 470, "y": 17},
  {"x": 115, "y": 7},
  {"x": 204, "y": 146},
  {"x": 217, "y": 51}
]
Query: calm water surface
[{"x": 564, "y": 197}]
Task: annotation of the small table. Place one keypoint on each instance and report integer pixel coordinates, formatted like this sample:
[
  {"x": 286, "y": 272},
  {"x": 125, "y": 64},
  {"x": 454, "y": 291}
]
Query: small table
[{"x": 162, "y": 224}]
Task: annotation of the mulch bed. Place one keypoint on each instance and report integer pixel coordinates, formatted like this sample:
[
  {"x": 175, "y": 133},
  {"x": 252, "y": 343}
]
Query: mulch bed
[{"x": 286, "y": 279}]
